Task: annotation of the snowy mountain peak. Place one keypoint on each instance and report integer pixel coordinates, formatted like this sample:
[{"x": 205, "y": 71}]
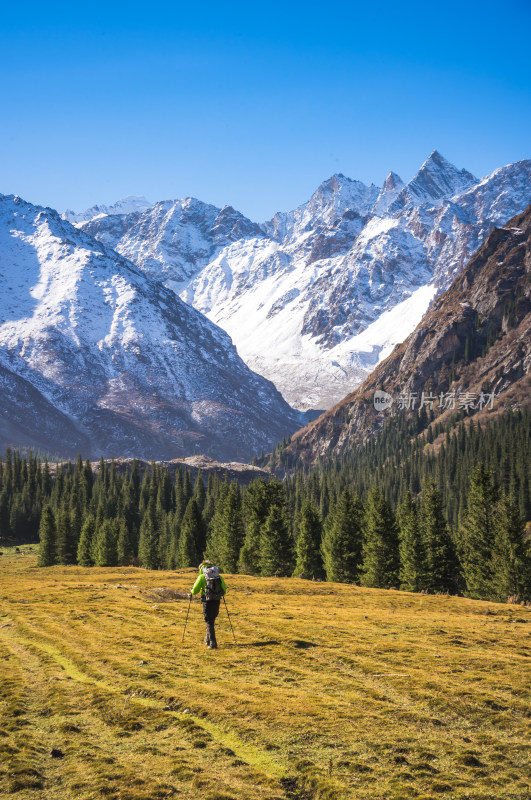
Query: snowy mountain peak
[
  {"x": 173, "y": 238},
  {"x": 316, "y": 296},
  {"x": 340, "y": 190},
  {"x": 325, "y": 208},
  {"x": 393, "y": 184},
  {"x": 127, "y": 366},
  {"x": 127, "y": 205},
  {"x": 393, "y": 181},
  {"x": 232, "y": 225},
  {"x": 436, "y": 180}
]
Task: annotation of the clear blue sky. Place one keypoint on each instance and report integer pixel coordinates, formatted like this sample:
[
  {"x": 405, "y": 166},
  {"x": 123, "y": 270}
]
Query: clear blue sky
[{"x": 254, "y": 104}]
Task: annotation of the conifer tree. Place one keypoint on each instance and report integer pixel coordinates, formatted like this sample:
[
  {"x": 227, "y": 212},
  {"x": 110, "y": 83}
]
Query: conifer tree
[
  {"x": 476, "y": 533},
  {"x": 410, "y": 546},
  {"x": 76, "y": 520},
  {"x": 5, "y": 529},
  {"x": 194, "y": 521},
  {"x": 179, "y": 504},
  {"x": 440, "y": 568},
  {"x": 173, "y": 546},
  {"x": 124, "y": 544},
  {"x": 342, "y": 540},
  {"x": 187, "y": 488},
  {"x": 46, "y": 479},
  {"x": 85, "y": 547},
  {"x": 380, "y": 547},
  {"x": 276, "y": 554},
  {"x": 47, "y": 537},
  {"x": 511, "y": 561},
  {"x": 260, "y": 496},
  {"x": 66, "y": 547},
  {"x": 105, "y": 545},
  {"x": 309, "y": 563},
  {"x": 188, "y": 554},
  {"x": 148, "y": 544},
  {"x": 199, "y": 492},
  {"x": 17, "y": 517},
  {"x": 227, "y": 532},
  {"x": 88, "y": 480},
  {"x": 165, "y": 542}
]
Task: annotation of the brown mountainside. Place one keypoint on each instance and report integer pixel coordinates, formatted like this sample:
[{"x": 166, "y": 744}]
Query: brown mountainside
[{"x": 474, "y": 344}]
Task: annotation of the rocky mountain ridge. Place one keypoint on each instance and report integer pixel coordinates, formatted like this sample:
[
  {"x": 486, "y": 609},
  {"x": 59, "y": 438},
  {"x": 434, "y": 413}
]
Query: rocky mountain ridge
[
  {"x": 98, "y": 356},
  {"x": 316, "y": 297},
  {"x": 471, "y": 353}
]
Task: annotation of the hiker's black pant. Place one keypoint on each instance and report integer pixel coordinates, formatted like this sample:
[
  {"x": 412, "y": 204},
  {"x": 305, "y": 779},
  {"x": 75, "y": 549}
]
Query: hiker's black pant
[{"x": 210, "y": 612}]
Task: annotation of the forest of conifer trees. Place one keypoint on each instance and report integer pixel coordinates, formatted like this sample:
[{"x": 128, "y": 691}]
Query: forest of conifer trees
[{"x": 387, "y": 515}]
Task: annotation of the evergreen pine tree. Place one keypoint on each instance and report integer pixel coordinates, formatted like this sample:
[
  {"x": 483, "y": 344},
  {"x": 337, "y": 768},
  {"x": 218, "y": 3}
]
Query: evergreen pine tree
[
  {"x": 342, "y": 540},
  {"x": 476, "y": 532},
  {"x": 309, "y": 563},
  {"x": 511, "y": 562},
  {"x": 84, "y": 550},
  {"x": 380, "y": 547},
  {"x": 228, "y": 531},
  {"x": 148, "y": 544},
  {"x": 188, "y": 553},
  {"x": 5, "y": 529},
  {"x": 260, "y": 496},
  {"x": 187, "y": 488},
  {"x": 66, "y": 547},
  {"x": 194, "y": 520},
  {"x": 276, "y": 553},
  {"x": 47, "y": 537},
  {"x": 76, "y": 519},
  {"x": 124, "y": 545},
  {"x": 440, "y": 567},
  {"x": 105, "y": 545},
  {"x": 410, "y": 546},
  {"x": 199, "y": 492},
  {"x": 173, "y": 546}
]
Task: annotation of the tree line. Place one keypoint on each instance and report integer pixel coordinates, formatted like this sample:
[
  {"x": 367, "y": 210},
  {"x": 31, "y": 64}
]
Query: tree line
[
  {"x": 406, "y": 453},
  {"x": 330, "y": 523}
]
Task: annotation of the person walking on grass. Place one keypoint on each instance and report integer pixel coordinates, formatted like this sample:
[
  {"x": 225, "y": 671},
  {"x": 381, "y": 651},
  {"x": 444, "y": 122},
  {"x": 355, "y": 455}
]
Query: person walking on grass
[{"x": 212, "y": 587}]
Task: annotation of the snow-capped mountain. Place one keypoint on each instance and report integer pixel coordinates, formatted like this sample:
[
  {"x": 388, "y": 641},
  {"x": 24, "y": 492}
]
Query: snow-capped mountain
[
  {"x": 314, "y": 298},
  {"x": 98, "y": 356},
  {"x": 477, "y": 334},
  {"x": 128, "y": 205},
  {"x": 436, "y": 180},
  {"x": 173, "y": 240}
]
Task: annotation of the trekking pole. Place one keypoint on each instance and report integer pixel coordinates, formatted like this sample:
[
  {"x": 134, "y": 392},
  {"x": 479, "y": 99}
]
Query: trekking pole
[
  {"x": 186, "y": 622},
  {"x": 230, "y": 623}
]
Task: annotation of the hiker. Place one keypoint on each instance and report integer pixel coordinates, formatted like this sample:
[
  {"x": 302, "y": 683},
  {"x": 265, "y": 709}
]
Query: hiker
[{"x": 212, "y": 587}]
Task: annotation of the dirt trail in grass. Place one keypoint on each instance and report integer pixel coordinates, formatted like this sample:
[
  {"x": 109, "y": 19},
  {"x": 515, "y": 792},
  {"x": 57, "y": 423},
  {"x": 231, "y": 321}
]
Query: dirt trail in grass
[{"x": 332, "y": 691}]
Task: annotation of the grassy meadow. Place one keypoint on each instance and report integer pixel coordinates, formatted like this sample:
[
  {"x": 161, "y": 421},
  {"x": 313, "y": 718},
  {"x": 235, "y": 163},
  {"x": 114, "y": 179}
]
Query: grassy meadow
[{"x": 330, "y": 691}]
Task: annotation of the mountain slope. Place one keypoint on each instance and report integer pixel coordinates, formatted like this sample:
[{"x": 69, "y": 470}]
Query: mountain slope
[
  {"x": 173, "y": 239},
  {"x": 306, "y": 297},
  {"x": 129, "y": 368},
  {"x": 476, "y": 338}
]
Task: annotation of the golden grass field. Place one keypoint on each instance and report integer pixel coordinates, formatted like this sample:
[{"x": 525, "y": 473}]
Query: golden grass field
[{"x": 330, "y": 691}]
